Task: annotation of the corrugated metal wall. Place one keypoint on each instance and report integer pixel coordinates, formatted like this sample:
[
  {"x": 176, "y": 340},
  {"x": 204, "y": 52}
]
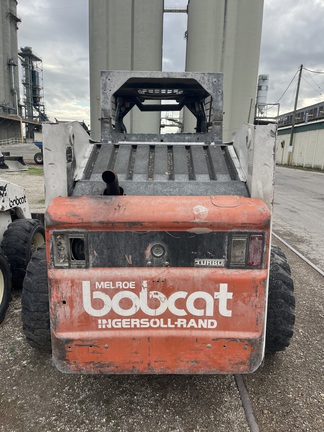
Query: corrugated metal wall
[{"x": 308, "y": 146}]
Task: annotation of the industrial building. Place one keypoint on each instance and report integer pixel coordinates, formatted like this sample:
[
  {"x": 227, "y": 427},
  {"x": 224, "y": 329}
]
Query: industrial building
[
  {"x": 306, "y": 137},
  {"x": 303, "y": 115},
  {"x": 33, "y": 108},
  {"x": 10, "y": 121},
  {"x": 14, "y": 114}
]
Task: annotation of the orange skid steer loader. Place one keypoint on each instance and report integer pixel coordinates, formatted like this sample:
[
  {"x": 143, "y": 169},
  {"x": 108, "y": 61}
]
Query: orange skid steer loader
[{"x": 158, "y": 251}]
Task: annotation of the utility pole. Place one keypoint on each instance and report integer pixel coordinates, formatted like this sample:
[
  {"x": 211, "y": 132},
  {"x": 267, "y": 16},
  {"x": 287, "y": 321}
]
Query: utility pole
[{"x": 290, "y": 148}]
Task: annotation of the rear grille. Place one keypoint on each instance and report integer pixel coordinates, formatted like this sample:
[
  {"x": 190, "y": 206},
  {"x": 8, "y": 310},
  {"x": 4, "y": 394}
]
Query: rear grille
[
  {"x": 162, "y": 169},
  {"x": 161, "y": 162}
]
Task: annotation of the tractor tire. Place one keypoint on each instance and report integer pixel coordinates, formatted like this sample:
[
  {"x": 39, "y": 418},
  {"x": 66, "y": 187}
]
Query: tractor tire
[
  {"x": 38, "y": 158},
  {"x": 35, "y": 303},
  {"x": 281, "y": 303},
  {"x": 20, "y": 240},
  {"x": 5, "y": 286}
]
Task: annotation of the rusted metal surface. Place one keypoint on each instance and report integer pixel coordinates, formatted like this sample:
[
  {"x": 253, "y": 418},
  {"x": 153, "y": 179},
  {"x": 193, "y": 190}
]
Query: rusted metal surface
[
  {"x": 157, "y": 319},
  {"x": 199, "y": 214},
  {"x": 172, "y": 321}
]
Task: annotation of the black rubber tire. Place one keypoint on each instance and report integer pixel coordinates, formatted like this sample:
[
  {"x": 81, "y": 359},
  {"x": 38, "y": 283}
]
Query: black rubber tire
[
  {"x": 5, "y": 286},
  {"x": 277, "y": 256},
  {"x": 20, "y": 240},
  {"x": 35, "y": 303},
  {"x": 38, "y": 158},
  {"x": 281, "y": 303}
]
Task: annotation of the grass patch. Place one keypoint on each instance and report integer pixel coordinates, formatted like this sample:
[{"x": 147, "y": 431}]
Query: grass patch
[{"x": 38, "y": 171}]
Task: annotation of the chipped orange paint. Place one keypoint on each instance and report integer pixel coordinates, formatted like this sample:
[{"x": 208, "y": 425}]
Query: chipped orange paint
[
  {"x": 162, "y": 213},
  {"x": 171, "y": 320}
]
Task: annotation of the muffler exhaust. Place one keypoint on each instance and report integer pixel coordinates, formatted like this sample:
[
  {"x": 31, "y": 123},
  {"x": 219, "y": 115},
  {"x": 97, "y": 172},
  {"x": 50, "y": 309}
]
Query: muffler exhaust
[{"x": 112, "y": 184}]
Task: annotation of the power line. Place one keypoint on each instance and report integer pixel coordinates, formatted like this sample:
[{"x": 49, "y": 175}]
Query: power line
[
  {"x": 299, "y": 70},
  {"x": 315, "y": 72},
  {"x": 308, "y": 70},
  {"x": 317, "y": 85},
  {"x": 312, "y": 86},
  {"x": 287, "y": 87},
  {"x": 272, "y": 105}
]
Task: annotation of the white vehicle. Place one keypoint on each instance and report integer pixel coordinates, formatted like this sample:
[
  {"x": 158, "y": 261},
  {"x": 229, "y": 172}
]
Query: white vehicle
[{"x": 20, "y": 235}]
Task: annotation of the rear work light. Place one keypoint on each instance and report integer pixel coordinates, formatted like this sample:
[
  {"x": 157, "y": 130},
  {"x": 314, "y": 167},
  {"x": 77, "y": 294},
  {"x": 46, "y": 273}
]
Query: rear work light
[
  {"x": 246, "y": 250},
  {"x": 69, "y": 250}
]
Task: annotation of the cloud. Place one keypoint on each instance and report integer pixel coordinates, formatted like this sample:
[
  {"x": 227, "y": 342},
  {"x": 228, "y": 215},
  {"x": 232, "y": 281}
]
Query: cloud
[
  {"x": 292, "y": 37},
  {"x": 58, "y": 33},
  {"x": 174, "y": 42}
]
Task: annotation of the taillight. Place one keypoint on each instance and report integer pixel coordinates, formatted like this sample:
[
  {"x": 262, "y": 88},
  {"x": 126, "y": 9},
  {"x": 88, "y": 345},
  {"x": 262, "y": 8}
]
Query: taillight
[
  {"x": 238, "y": 250},
  {"x": 69, "y": 250},
  {"x": 246, "y": 250},
  {"x": 255, "y": 250}
]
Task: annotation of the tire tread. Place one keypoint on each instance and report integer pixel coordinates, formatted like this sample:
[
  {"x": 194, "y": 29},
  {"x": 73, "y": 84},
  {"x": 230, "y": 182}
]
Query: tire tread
[
  {"x": 281, "y": 303},
  {"x": 16, "y": 245},
  {"x": 35, "y": 303}
]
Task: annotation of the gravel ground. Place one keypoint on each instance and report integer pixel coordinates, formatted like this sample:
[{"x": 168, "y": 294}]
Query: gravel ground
[
  {"x": 35, "y": 397},
  {"x": 286, "y": 393}
]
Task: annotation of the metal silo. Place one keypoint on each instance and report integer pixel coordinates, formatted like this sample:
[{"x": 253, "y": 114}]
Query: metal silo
[
  {"x": 225, "y": 36},
  {"x": 262, "y": 94},
  {"x": 124, "y": 35},
  {"x": 9, "y": 84}
]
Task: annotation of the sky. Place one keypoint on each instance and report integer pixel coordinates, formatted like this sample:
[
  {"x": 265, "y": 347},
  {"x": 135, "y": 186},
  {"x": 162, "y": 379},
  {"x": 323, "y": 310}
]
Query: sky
[{"x": 57, "y": 31}]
